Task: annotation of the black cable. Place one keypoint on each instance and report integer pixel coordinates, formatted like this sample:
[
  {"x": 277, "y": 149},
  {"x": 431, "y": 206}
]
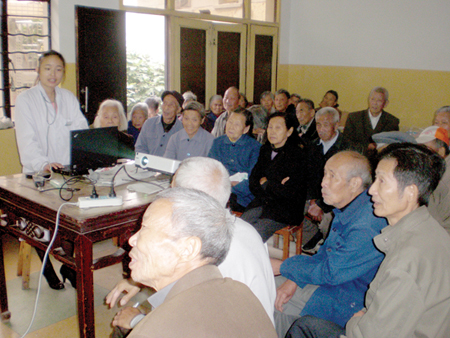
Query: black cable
[{"x": 137, "y": 180}]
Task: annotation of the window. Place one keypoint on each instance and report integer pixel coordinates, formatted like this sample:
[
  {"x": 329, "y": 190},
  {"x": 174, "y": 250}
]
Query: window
[{"x": 25, "y": 35}]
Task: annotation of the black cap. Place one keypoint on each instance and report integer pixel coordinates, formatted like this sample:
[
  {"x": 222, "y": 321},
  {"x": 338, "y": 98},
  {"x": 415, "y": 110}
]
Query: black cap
[{"x": 175, "y": 94}]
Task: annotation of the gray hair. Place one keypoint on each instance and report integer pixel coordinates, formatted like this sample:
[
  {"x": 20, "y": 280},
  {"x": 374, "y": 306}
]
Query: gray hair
[
  {"x": 443, "y": 109},
  {"x": 153, "y": 102},
  {"x": 205, "y": 174},
  {"x": 214, "y": 98},
  {"x": 329, "y": 111},
  {"x": 267, "y": 93},
  {"x": 123, "y": 125},
  {"x": 358, "y": 166},
  {"x": 197, "y": 106},
  {"x": 142, "y": 107},
  {"x": 195, "y": 213},
  {"x": 187, "y": 96},
  {"x": 380, "y": 90}
]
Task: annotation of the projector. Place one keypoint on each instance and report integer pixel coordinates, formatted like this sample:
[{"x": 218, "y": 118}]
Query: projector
[{"x": 156, "y": 163}]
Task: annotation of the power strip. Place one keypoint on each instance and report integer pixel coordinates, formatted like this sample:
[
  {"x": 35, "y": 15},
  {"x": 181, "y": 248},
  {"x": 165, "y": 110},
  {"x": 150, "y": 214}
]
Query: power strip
[{"x": 102, "y": 201}]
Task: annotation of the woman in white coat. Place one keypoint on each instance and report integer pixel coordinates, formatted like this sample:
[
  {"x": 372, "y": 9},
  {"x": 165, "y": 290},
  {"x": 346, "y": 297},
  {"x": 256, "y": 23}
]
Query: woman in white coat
[{"x": 44, "y": 117}]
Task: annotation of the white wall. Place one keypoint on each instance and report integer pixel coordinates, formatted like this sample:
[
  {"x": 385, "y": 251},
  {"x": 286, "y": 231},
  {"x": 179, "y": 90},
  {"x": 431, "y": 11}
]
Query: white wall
[
  {"x": 404, "y": 34},
  {"x": 63, "y": 23}
]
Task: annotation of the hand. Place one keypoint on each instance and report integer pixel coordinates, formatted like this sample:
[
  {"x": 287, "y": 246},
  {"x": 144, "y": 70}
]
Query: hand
[
  {"x": 285, "y": 180},
  {"x": 315, "y": 212},
  {"x": 284, "y": 294},
  {"x": 123, "y": 317},
  {"x": 124, "y": 285},
  {"x": 233, "y": 183},
  {"x": 53, "y": 165},
  {"x": 359, "y": 313},
  {"x": 276, "y": 263},
  {"x": 263, "y": 180}
]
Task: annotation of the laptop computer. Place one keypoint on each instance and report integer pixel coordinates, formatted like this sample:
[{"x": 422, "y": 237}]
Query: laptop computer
[{"x": 91, "y": 149}]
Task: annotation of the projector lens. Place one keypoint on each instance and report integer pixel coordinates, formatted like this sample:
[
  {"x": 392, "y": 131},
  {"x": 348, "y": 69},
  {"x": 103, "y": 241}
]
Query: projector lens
[{"x": 144, "y": 161}]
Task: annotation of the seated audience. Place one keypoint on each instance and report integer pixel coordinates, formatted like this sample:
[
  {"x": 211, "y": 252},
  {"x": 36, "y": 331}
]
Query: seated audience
[
  {"x": 442, "y": 118},
  {"x": 319, "y": 152},
  {"x": 330, "y": 99},
  {"x": 247, "y": 260},
  {"x": 230, "y": 104},
  {"x": 156, "y": 131},
  {"x": 192, "y": 140},
  {"x": 332, "y": 283},
  {"x": 278, "y": 180},
  {"x": 436, "y": 139},
  {"x": 216, "y": 109},
  {"x": 361, "y": 125},
  {"x": 243, "y": 102},
  {"x": 238, "y": 152},
  {"x": 185, "y": 234},
  {"x": 305, "y": 115},
  {"x": 410, "y": 294},
  {"x": 153, "y": 106},
  {"x": 137, "y": 117},
  {"x": 261, "y": 114},
  {"x": 295, "y": 99}
]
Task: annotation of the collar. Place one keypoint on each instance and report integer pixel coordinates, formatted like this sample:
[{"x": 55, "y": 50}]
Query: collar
[
  {"x": 393, "y": 234},
  {"x": 374, "y": 120},
  {"x": 159, "y": 297},
  {"x": 168, "y": 126},
  {"x": 346, "y": 214},
  {"x": 186, "y": 136},
  {"x": 328, "y": 144},
  {"x": 238, "y": 142}
]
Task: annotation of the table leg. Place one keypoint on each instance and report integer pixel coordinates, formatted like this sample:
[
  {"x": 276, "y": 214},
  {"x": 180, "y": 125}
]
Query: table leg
[
  {"x": 5, "y": 314},
  {"x": 85, "y": 287}
]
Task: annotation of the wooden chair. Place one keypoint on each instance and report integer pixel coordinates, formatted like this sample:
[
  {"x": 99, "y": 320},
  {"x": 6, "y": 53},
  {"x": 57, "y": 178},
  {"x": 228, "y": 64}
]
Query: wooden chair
[{"x": 289, "y": 233}]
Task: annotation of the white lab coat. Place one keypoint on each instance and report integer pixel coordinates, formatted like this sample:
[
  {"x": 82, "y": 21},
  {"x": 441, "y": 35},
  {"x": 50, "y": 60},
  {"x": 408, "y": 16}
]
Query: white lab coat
[{"x": 43, "y": 136}]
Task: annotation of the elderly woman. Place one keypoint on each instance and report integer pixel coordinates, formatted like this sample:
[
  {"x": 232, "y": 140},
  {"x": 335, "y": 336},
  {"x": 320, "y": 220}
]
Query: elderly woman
[
  {"x": 137, "y": 117},
  {"x": 216, "y": 109},
  {"x": 278, "y": 179},
  {"x": 192, "y": 140},
  {"x": 111, "y": 114}
]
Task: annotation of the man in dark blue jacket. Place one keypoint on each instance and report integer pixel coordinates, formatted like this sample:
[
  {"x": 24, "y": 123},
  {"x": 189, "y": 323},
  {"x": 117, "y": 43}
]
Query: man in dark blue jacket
[{"x": 332, "y": 283}]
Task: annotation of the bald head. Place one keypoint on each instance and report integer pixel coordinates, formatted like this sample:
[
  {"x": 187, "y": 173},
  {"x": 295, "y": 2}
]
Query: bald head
[
  {"x": 205, "y": 174},
  {"x": 346, "y": 175}
]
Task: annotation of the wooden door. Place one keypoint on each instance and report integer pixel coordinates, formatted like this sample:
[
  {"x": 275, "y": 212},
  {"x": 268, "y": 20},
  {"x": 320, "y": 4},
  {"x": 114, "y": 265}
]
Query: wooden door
[{"x": 101, "y": 58}]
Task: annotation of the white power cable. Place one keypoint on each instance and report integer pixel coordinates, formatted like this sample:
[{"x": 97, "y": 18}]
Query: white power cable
[{"x": 44, "y": 261}]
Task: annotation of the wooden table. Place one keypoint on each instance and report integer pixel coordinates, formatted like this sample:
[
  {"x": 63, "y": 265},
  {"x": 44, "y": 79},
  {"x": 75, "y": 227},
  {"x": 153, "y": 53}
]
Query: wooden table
[{"x": 83, "y": 227}]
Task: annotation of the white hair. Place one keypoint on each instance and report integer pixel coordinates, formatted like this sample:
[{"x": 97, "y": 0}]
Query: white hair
[
  {"x": 123, "y": 124},
  {"x": 205, "y": 174},
  {"x": 195, "y": 213},
  {"x": 329, "y": 111}
]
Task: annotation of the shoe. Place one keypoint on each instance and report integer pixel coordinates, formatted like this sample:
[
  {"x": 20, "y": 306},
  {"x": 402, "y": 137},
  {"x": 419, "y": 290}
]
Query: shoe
[
  {"x": 68, "y": 273},
  {"x": 314, "y": 243},
  {"x": 52, "y": 279}
]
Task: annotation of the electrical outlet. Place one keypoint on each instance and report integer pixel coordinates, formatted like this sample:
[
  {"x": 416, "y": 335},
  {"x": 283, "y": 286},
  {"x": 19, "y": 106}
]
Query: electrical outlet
[{"x": 101, "y": 201}]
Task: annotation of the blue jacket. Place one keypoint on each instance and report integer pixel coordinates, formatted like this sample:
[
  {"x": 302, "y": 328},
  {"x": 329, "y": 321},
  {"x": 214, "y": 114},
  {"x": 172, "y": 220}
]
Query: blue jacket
[
  {"x": 239, "y": 157},
  {"x": 133, "y": 131},
  {"x": 344, "y": 266}
]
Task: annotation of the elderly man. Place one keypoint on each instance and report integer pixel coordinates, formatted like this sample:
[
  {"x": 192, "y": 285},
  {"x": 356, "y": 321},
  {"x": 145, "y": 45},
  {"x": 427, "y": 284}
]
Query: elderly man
[
  {"x": 230, "y": 104},
  {"x": 185, "y": 234},
  {"x": 239, "y": 153},
  {"x": 305, "y": 113},
  {"x": 248, "y": 258},
  {"x": 410, "y": 294},
  {"x": 156, "y": 131},
  {"x": 319, "y": 152},
  {"x": 442, "y": 118},
  {"x": 436, "y": 139},
  {"x": 295, "y": 99},
  {"x": 361, "y": 125},
  {"x": 331, "y": 284},
  {"x": 153, "y": 106}
]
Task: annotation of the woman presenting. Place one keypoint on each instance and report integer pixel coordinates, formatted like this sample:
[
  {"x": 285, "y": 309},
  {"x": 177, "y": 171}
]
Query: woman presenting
[{"x": 44, "y": 117}]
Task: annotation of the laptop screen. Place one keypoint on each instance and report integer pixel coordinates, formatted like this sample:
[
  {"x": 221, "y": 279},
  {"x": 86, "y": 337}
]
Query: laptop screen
[{"x": 93, "y": 149}]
